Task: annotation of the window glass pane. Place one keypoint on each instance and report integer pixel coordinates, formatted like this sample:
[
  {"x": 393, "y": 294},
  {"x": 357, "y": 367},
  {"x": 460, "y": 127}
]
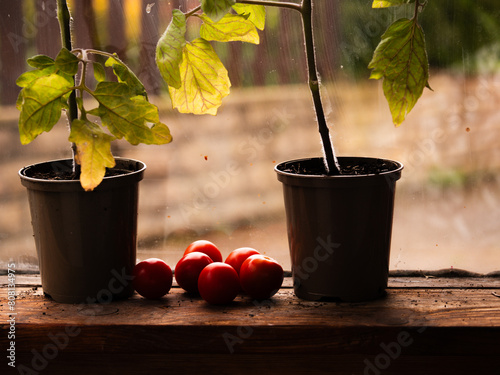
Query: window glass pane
[{"x": 216, "y": 180}]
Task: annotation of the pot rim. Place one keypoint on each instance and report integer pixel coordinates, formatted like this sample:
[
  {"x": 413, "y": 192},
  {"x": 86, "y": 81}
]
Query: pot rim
[
  {"x": 135, "y": 174},
  {"x": 337, "y": 180}
]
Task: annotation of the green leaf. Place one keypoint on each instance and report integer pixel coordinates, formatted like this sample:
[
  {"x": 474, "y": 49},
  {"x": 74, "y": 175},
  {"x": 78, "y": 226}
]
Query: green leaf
[
  {"x": 254, "y": 13},
  {"x": 205, "y": 80},
  {"x": 169, "y": 49},
  {"x": 230, "y": 28},
  {"x": 401, "y": 60},
  {"x": 161, "y": 134},
  {"x": 125, "y": 75},
  {"x": 41, "y": 103},
  {"x": 99, "y": 72},
  {"x": 67, "y": 62},
  {"x": 93, "y": 154},
  {"x": 40, "y": 61},
  {"x": 390, "y": 3},
  {"x": 216, "y": 9},
  {"x": 28, "y": 77},
  {"x": 126, "y": 114},
  {"x": 64, "y": 65}
]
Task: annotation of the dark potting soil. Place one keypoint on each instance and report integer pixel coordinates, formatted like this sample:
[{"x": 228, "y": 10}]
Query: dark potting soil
[
  {"x": 68, "y": 174},
  {"x": 348, "y": 166}
]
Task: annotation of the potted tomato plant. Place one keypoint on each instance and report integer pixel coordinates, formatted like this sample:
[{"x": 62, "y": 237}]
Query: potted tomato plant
[
  {"x": 84, "y": 209},
  {"x": 339, "y": 209}
]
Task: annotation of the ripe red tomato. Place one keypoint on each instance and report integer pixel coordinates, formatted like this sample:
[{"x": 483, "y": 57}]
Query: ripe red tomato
[
  {"x": 205, "y": 247},
  {"x": 188, "y": 270},
  {"x": 238, "y": 256},
  {"x": 261, "y": 276},
  {"x": 218, "y": 283},
  {"x": 152, "y": 278}
]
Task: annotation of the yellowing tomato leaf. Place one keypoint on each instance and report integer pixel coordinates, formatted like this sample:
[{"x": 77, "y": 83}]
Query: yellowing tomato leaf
[
  {"x": 41, "y": 103},
  {"x": 28, "y": 77},
  {"x": 99, "y": 72},
  {"x": 67, "y": 62},
  {"x": 169, "y": 49},
  {"x": 389, "y": 3},
  {"x": 125, "y": 75},
  {"x": 230, "y": 28},
  {"x": 254, "y": 13},
  {"x": 93, "y": 154},
  {"x": 205, "y": 81},
  {"x": 40, "y": 61},
  {"x": 216, "y": 9},
  {"x": 161, "y": 134},
  {"x": 401, "y": 60},
  {"x": 126, "y": 114}
]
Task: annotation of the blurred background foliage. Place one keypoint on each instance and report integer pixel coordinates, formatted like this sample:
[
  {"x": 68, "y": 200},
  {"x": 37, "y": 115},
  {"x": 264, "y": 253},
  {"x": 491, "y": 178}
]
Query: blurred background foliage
[
  {"x": 461, "y": 35},
  {"x": 458, "y": 33}
]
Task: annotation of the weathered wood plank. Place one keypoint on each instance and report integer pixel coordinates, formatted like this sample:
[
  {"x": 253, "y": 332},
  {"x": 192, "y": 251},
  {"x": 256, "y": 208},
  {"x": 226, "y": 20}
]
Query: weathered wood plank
[
  {"x": 402, "y": 307},
  {"x": 427, "y": 329},
  {"x": 429, "y": 280}
]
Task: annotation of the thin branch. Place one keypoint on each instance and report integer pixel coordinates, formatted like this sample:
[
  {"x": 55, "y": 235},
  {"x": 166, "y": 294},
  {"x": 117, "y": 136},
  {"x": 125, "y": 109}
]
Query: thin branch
[
  {"x": 415, "y": 14},
  {"x": 419, "y": 5},
  {"x": 193, "y": 11},
  {"x": 97, "y": 52}
]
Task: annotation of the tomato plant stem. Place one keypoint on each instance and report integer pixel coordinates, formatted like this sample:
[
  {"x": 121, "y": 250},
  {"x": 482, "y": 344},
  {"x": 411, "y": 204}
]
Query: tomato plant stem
[
  {"x": 305, "y": 9},
  {"x": 64, "y": 19},
  {"x": 314, "y": 86}
]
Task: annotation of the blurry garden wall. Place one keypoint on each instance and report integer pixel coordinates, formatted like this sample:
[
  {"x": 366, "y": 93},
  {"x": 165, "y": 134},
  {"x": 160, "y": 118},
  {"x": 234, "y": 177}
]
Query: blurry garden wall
[{"x": 216, "y": 179}]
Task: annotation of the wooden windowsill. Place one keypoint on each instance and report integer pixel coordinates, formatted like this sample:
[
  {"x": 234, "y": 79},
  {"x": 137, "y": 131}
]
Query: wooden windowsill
[{"x": 436, "y": 325}]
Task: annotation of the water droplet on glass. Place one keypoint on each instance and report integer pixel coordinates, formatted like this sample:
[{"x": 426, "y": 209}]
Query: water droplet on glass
[{"x": 149, "y": 7}]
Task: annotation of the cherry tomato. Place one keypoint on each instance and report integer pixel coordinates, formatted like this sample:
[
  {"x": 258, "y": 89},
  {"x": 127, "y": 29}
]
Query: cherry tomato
[
  {"x": 261, "y": 276},
  {"x": 218, "y": 283},
  {"x": 188, "y": 270},
  {"x": 152, "y": 278},
  {"x": 238, "y": 256},
  {"x": 205, "y": 247}
]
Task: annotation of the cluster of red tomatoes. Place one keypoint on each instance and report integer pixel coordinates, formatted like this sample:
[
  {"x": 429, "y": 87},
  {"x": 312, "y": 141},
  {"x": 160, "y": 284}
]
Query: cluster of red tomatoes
[{"x": 202, "y": 270}]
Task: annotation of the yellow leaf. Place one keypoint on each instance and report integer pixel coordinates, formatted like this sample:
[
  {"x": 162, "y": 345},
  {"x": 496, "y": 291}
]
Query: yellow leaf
[
  {"x": 254, "y": 13},
  {"x": 231, "y": 28},
  {"x": 41, "y": 102},
  {"x": 205, "y": 81},
  {"x": 389, "y": 3},
  {"x": 93, "y": 152}
]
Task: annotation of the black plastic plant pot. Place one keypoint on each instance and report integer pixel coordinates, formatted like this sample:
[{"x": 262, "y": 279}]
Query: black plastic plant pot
[
  {"x": 85, "y": 241},
  {"x": 339, "y": 228}
]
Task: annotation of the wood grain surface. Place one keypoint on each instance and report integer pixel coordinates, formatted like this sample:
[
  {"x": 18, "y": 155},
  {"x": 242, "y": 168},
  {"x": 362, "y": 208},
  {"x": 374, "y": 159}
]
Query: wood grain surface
[{"x": 425, "y": 325}]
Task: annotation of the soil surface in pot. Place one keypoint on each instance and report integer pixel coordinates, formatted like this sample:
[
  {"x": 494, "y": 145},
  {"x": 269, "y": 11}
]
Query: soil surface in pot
[
  {"x": 348, "y": 166},
  {"x": 68, "y": 174}
]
